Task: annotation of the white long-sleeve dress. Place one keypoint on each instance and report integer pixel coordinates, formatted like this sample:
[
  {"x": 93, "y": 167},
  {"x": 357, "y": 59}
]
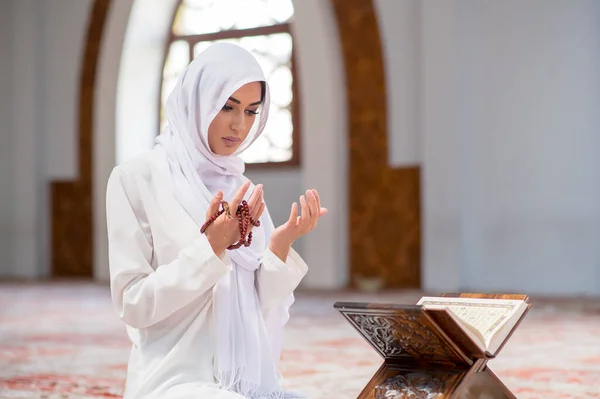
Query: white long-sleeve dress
[{"x": 162, "y": 275}]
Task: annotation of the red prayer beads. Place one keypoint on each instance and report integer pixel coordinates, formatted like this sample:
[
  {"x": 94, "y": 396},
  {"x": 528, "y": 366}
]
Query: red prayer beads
[{"x": 244, "y": 218}]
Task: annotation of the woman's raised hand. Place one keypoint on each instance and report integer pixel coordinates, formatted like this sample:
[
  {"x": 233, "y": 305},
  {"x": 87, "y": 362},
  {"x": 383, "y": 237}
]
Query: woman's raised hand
[
  {"x": 224, "y": 231},
  {"x": 297, "y": 225}
]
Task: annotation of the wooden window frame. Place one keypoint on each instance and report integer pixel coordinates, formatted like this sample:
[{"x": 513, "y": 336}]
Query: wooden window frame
[{"x": 192, "y": 40}]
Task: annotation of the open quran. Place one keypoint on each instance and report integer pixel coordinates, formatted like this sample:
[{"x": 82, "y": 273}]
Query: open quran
[
  {"x": 487, "y": 322},
  {"x": 439, "y": 347}
]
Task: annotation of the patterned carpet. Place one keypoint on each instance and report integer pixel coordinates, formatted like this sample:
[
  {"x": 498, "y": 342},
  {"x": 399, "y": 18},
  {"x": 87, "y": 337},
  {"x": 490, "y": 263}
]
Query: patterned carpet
[{"x": 64, "y": 341}]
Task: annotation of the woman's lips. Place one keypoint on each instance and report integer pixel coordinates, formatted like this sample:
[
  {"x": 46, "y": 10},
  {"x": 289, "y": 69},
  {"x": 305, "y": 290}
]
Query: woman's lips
[{"x": 231, "y": 141}]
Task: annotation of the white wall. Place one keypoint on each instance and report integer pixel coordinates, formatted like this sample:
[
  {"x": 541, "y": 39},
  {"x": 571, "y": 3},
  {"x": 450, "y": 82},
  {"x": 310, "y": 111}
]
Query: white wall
[
  {"x": 282, "y": 188},
  {"x": 46, "y": 40},
  {"x": 399, "y": 23},
  {"x": 26, "y": 142},
  {"x": 511, "y": 93},
  {"x": 6, "y": 153},
  {"x": 440, "y": 199},
  {"x": 324, "y": 140},
  {"x": 64, "y": 31}
]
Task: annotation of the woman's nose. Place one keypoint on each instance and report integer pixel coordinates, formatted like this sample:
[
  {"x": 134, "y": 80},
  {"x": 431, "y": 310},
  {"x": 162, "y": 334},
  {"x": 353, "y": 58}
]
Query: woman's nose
[{"x": 238, "y": 123}]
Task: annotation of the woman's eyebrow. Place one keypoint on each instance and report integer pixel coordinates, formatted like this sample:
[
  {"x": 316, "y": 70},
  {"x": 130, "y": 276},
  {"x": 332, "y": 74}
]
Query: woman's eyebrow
[{"x": 235, "y": 100}]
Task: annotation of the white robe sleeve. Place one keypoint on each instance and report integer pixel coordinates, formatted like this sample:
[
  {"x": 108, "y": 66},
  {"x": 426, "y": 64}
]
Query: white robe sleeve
[
  {"x": 277, "y": 280},
  {"x": 144, "y": 296}
]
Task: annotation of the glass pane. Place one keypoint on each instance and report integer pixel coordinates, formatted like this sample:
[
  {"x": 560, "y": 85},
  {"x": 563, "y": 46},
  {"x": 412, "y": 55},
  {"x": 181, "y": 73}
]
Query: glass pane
[
  {"x": 269, "y": 50},
  {"x": 279, "y": 155},
  {"x": 224, "y": 13},
  {"x": 279, "y": 128},
  {"x": 252, "y": 14},
  {"x": 200, "y": 47},
  {"x": 255, "y": 43},
  {"x": 280, "y": 47},
  {"x": 258, "y": 152},
  {"x": 280, "y": 10},
  {"x": 208, "y": 16},
  {"x": 266, "y": 63},
  {"x": 195, "y": 20},
  {"x": 177, "y": 59},
  {"x": 280, "y": 83}
]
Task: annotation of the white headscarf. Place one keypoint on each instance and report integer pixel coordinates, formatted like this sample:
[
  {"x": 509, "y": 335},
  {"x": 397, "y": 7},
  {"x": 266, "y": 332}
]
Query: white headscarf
[{"x": 247, "y": 346}]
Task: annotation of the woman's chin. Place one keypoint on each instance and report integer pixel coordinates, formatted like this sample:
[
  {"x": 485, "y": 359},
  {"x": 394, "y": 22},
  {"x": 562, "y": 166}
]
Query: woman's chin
[{"x": 226, "y": 151}]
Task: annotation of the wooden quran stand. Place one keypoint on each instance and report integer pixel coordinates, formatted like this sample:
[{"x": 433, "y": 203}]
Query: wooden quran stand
[{"x": 426, "y": 354}]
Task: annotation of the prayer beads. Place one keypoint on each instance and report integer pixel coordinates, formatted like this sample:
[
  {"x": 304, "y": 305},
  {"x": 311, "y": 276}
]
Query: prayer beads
[{"x": 243, "y": 215}]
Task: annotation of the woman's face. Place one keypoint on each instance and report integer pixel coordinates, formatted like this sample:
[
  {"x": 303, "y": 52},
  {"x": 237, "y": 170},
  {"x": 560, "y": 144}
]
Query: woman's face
[{"x": 232, "y": 124}]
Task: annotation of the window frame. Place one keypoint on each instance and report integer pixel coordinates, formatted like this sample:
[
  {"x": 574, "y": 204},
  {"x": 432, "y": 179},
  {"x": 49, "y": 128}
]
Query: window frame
[{"x": 192, "y": 40}]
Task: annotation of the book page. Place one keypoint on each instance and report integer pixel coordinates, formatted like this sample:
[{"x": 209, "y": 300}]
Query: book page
[{"x": 484, "y": 315}]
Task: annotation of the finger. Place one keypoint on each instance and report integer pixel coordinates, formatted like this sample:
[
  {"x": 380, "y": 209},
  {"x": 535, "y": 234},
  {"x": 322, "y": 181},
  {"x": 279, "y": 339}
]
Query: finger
[
  {"x": 312, "y": 206},
  {"x": 239, "y": 196},
  {"x": 260, "y": 211},
  {"x": 293, "y": 220},
  {"x": 322, "y": 211},
  {"x": 255, "y": 200},
  {"x": 256, "y": 194},
  {"x": 314, "y": 211},
  {"x": 305, "y": 215},
  {"x": 257, "y": 211},
  {"x": 316, "y": 194},
  {"x": 256, "y": 217},
  {"x": 213, "y": 207}
]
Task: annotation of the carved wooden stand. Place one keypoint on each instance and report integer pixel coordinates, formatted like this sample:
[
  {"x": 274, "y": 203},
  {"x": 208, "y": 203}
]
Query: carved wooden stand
[{"x": 426, "y": 354}]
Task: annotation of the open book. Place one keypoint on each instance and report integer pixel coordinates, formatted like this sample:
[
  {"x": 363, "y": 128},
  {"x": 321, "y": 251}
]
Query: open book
[{"x": 488, "y": 322}]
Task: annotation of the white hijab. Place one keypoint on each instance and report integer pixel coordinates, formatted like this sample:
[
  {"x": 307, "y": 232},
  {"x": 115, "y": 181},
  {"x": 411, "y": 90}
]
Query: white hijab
[{"x": 248, "y": 346}]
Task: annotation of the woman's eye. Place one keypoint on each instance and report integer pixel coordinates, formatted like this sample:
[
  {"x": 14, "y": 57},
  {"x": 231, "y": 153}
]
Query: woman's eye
[
  {"x": 252, "y": 112},
  {"x": 227, "y": 108}
]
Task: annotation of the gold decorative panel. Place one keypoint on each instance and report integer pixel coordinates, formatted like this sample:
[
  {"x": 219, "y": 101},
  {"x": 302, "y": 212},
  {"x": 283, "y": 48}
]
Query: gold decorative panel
[{"x": 384, "y": 202}]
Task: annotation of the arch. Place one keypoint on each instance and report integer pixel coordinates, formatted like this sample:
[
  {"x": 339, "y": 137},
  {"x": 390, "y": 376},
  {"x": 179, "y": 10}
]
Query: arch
[{"x": 72, "y": 220}]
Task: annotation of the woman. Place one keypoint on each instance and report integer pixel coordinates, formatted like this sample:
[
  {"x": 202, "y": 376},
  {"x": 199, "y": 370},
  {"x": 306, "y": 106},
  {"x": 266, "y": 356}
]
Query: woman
[{"x": 205, "y": 321}]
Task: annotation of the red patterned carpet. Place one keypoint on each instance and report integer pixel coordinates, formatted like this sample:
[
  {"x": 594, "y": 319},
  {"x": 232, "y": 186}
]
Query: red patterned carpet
[{"x": 64, "y": 341}]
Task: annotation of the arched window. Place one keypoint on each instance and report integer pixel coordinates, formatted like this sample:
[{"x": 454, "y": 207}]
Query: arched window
[{"x": 263, "y": 28}]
